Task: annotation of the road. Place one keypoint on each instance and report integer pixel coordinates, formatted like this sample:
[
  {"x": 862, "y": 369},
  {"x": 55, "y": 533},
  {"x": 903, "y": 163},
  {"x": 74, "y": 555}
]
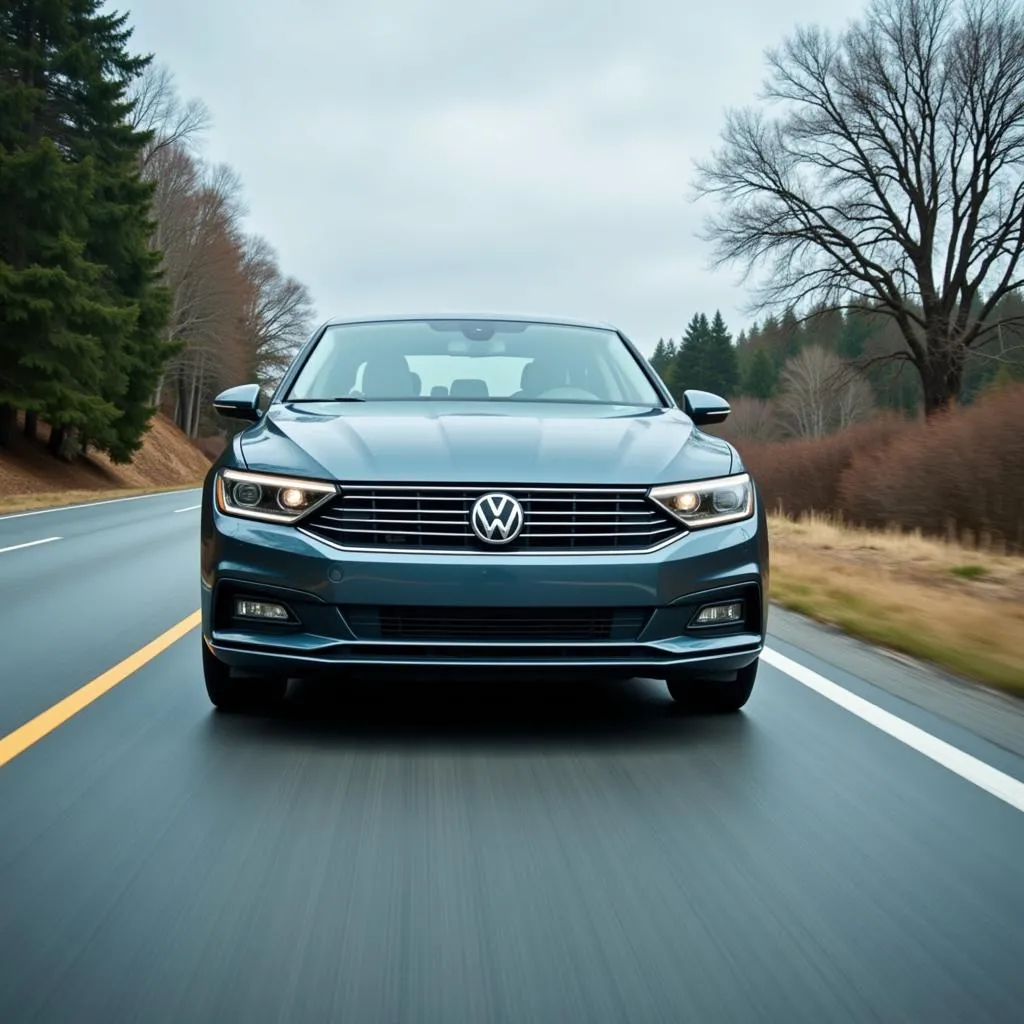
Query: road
[{"x": 850, "y": 848}]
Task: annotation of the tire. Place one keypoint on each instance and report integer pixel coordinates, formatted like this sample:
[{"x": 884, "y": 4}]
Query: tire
[
  {"x": 233, "y": 695},
  {"x": 714, "y": 696}
]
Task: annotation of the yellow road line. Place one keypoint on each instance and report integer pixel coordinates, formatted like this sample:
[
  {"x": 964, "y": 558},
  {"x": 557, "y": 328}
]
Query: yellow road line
[{"x": 33, "y": 731}]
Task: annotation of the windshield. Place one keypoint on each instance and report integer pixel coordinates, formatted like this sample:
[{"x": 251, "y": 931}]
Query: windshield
[{"x": 474, "y": 360}]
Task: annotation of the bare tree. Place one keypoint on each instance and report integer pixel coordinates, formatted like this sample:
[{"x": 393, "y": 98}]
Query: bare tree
[
  {"x": 820, "y": 393},
  {"x": 854, "y": 400},
  {"x": 751, "y": 419},
  {"x": 278, "y": 315},
  {"x": 892, "y": 177},
  {"x": 233, "y": 313},
  {"x": 158, "y": 108},
  {"x": 197, "y": 215}
]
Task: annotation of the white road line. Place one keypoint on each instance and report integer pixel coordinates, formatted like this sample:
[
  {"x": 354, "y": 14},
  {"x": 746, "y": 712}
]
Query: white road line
[
  {"x": 1005, "y": 787},
  {"x": 90, "y": 504},
  {"x": 191, "y": 508},
  {"x": 29, "y": 544}
]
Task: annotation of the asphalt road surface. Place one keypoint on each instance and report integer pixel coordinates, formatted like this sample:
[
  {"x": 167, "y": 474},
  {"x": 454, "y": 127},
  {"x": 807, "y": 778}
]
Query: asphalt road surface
[{"x": 850, "y": 848}]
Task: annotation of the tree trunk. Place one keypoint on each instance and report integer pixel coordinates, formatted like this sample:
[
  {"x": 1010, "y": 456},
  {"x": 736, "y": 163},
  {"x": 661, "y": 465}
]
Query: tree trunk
[
  {"x": 63, "y": 443},
  {"x": 58, "y": 438},
  {"x": 31, "y": 425},
  {"x": 197, "y": 411},
  {"x": 181, "y": 412},
  {"x": 941, "y": 376},
  {"x": 198, "y": 382},
  {"x": 7, "y": 418},
  {"x": 190, "y": 397}
]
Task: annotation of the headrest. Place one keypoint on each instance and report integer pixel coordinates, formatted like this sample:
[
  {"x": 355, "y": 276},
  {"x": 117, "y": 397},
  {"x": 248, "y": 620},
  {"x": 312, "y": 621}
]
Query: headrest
[
  {"x": 469, "y": 387},
  {"x": 542, "y": 375},
  {"x": 388, "y": 377}
]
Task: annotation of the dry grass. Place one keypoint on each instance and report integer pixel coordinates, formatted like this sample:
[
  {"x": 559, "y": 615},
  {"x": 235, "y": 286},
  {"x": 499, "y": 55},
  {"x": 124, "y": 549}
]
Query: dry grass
[{"x": 961, "y": 608}]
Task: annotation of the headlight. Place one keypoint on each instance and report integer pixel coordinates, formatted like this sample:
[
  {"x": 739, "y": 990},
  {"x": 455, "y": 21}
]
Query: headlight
[
  {"x": 275, "y": 499},
  {"x": 708, "y": 502}
]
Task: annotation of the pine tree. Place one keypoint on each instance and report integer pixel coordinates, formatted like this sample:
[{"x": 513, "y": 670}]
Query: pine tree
[
  {"x": 80, "y": 310},
  {"x": 120, "y": 228},
  {"x": 658, "y": 357},
  {"x": 686, "y": 372},
  {"x": 856, "y": 330},
  {"x": 668, "y": 369},
  {"x": 790, "y": 336},
  {"x": 761, "y": 376},
  {"x": 50, "y": 293},
  {"x": 824, "y": 328},
  {"x": 707, "y": 360},
  {"x": 722, "y": 370}
]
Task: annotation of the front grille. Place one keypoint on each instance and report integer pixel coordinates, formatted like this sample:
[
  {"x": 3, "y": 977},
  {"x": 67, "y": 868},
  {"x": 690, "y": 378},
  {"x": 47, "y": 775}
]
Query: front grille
[
  {"x": 536, "y": 625},
  {"x": 437, "y": 519}
]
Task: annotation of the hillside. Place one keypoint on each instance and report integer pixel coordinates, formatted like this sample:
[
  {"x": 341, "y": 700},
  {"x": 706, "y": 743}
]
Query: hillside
[{"x": 30, "y": 476}]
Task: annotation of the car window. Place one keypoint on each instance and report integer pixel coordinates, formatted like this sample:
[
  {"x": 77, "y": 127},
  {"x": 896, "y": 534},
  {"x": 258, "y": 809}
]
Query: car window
[{"x": 473, "y": 360}]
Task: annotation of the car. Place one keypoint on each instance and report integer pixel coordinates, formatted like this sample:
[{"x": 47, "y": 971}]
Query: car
[{"x": 483, "y": 497}]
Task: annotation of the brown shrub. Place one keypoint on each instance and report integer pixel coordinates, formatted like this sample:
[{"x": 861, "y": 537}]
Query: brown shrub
[
  {"x": 751, "y": 420},
  {"x": 803, "y": 475},
  {"x": 960, "y": 474}
]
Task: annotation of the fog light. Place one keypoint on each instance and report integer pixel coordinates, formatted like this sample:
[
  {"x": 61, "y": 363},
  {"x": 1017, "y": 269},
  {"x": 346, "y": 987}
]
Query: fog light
[
  {"x": 719, "y": 614},
  {"x": 247, "y": 609}
]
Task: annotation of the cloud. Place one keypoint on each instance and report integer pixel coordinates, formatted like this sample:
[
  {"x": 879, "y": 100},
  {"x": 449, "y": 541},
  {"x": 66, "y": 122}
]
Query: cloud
[{"x": 533, "y": 156}]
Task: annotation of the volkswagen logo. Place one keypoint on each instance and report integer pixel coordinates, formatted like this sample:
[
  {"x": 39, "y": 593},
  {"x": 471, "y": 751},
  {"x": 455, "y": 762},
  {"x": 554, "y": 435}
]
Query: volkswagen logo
[{"x": 496, "y": 518}]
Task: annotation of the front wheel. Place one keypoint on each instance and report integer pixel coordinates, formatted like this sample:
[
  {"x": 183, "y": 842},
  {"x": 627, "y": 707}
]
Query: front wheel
[
  {"x": 712, "y": 695},
  {"x": 229, "y": 694}
]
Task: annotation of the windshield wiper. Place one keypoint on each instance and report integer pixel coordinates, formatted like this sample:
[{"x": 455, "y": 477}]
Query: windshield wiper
[{"x": 342, "y": 398}]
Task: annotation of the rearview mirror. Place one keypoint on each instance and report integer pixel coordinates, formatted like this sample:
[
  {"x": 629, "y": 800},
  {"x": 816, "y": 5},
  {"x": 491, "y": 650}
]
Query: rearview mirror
[
  {"x": 239, "y": 403},
  {"x": 703, "y": 407}
]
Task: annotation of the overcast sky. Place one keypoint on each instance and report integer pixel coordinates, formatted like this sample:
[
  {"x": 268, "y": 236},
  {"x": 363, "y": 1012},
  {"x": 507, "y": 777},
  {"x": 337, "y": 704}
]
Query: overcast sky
[{"x": 533, "y": 156}]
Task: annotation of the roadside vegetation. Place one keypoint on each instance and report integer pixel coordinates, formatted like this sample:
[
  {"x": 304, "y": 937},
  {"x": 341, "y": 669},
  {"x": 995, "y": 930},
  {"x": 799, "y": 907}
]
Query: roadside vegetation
[
  {"x": 960, "y": 608},
  {"x": 959, "y": 477},
  {"x": 903, "y": 529},
  {"x": 908, "y": 533},
  {"x": 128, "y": 285},
  {"x": 874, "y": 202}
]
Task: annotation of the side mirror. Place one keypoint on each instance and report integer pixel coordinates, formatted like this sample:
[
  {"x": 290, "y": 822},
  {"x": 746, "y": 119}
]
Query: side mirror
[
  {"x": 240, "y": 403},
  {"x": 703, "y": 407}
]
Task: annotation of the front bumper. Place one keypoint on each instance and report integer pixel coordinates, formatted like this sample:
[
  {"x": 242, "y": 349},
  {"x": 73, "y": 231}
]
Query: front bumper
[{"x": 323, "y": 586}]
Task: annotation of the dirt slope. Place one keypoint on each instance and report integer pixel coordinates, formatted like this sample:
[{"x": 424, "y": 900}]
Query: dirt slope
[{"x": 167, "y": 459}]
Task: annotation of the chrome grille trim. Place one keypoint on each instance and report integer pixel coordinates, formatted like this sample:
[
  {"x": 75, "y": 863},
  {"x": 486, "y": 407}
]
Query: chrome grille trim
[{"x": 387, "y": 518}]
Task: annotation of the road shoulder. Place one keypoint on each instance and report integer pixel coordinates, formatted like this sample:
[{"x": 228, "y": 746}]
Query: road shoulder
[{"x": 991, "y": 715}]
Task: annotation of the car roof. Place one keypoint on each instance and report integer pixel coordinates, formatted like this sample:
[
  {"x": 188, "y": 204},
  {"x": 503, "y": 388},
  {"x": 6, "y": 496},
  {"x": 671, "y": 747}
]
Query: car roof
[{"x": 534, "y": 319}]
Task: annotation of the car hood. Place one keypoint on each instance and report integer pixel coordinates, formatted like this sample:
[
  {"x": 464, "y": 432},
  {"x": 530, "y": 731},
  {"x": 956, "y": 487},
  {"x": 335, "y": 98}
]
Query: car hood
[{"x": 485, "y": 443}]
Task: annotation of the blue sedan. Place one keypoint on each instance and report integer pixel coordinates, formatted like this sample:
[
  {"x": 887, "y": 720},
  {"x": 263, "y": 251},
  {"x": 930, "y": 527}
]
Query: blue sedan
[{"x": 496, "y": 497}]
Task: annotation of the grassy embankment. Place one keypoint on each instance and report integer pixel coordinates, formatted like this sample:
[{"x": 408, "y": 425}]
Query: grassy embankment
[
  {"x": 960, "y": 608},
  {"x": 30, "y": 478}
]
